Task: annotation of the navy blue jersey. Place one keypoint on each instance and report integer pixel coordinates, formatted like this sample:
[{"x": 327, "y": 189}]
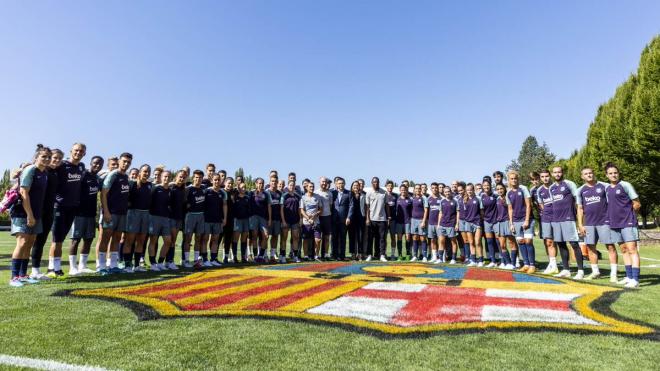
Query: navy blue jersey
[
  {"x": 230, "y": 205},
  {"x": 290, "y": 204},
  {"x": 69, "y": 177},
  {"x": 177, "y": 202},
  {"x": 51, "y": 188},
  {"x": 139, "y": 197},
  {"x": 275, "y": 205},
  {"x": 213, "y": 205},
  {"x": 195, "y": 199},
  {"x": 89, "y": 191},
  {"x": 259, "y": 204},
  {"x": 489, "y": 203},
  {"x": 241, "y": 206},
  {"x": 118, "y": 188},
  {"x": 37, "y": 181},
  {"x": 160, "y": 201}
]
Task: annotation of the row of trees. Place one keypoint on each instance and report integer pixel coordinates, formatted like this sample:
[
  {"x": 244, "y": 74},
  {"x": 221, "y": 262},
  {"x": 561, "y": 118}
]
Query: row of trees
[{"x": 626, "y": 131}]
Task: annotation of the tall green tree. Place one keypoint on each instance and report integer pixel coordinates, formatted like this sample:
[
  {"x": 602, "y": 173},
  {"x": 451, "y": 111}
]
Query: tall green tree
[
  {"x": 532, "y": 157},
  {"x": 626, "y": 131}
]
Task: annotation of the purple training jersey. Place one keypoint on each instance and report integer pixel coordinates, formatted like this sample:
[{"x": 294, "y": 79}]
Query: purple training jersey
[
  {"x": 472, "y": 210},
  {"x": 403, "y": 210},
  {"x": 619, "y": 205},
  {"x": 564, "y": 195},
  {"x": 543, "y": 197},
  {"x": 448, "y": 207},
  {"x": 418, "y": 206},
  {"x": 516, "y": 198},
  {"x": 594, "y": 203},
  {"x": 434, "y": 210},
  {"x": 502, "y": 214},
  {"x": 488, "y": 203}
]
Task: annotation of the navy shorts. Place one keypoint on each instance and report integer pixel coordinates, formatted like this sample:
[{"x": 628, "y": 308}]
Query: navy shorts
[
  {"x": 84, "y": 227},
  {"x": 62, "y": 221},
  {"x": 311, "y": 231},
  {"x": 325, "y": 225}
]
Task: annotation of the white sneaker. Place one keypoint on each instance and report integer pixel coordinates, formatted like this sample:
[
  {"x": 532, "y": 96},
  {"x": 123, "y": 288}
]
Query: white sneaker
[
  {"x": 155, "y": 268},
  {"x": 502, "y": 266},
  {"x": 437, "y": 261},
  {"x": 509, "y": 267},
  {"x": 84, "y": 270},
  {"x": 452, "y": 261},
  {"x": 187, "y": 264},
  {"x": 73, "y": 271},
  {"x": 624, "y": 281},
  {"x": 472, "y": 264},
  {"x": 517, "y": 264},
  {"x": 172, "y": 267},
  {"x": 383, "y": 258},
  {"x": 424, "y": 260},
  {"x": 592, "y": 276},
  {"x": 139, "y": 269},
  {"x": 613, "y": 278},
  {"x": 632, "y": 283},
  {"x": 414, "y": 259},
  {"x": 207, "y": 264},
  {"x": 432, "y": 261},
  {"x": 282, "y": 259},
  {"x": 128, "y": 269},
  {"x": 297, "y": 260},
  {"x": 579, "y": 275},
  {"x": 563, "y": 274},
  {"x": 368, "y": 259},
  {"x": 491, "y": 265},
  {"x": 40, "y": 276},
  {"x": 216, "y": 263}
]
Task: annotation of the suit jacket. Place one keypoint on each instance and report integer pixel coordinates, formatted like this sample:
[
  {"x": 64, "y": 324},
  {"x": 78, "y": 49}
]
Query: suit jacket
[
  {"x": 357, "y": 209},
  {"x": 341, "y": 207}
]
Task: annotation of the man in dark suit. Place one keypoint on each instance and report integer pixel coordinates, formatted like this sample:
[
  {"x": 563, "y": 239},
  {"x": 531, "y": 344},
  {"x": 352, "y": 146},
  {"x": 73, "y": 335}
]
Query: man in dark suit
[{"x": 341, "y": 200}]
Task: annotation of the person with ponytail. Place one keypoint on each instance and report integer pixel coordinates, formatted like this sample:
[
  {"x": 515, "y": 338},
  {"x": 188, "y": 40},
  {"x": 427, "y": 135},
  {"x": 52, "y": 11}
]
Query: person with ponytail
[
  {"x": 47, "y": 215},
  {"x": 26, "y": 215}
]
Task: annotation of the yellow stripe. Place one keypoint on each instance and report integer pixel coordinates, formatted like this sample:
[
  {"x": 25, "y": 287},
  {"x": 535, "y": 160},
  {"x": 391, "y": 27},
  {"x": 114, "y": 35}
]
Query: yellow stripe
[
  {"x": 267, "y": 296},
  {"x": 231, "y": 290},
  {"x": 322, "y": 297},
  {"x": 198, "y": 286}
]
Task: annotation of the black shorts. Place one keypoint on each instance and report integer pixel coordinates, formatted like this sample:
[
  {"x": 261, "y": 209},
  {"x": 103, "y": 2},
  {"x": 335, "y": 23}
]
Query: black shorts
[
  {"x": 62, "y": 221},
  {"x": 325, "y": 225}
]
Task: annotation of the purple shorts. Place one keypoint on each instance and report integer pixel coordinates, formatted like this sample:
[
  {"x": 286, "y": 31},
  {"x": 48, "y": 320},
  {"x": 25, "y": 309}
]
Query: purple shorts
[{"x": 311, "y": 230}]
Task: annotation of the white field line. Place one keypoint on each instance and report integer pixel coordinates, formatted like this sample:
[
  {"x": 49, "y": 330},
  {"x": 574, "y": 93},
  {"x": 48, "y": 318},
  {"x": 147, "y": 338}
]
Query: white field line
[{"x": 43, "y": 364}]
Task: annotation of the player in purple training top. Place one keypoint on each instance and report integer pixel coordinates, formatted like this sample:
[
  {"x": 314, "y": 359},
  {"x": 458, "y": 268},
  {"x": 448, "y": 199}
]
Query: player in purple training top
[
  {"x": 137, "y": 219},
  {"x": 434, "y": 221},
  {"x": 85, "y": 222},
  {"x": 418, "y": 218},
  {"x": 544, "y": 204},
  {"x": 402, "y": 221},
  {"x": 564, "y": 229},
  {"x": 261, "y": 218},
  {"x": 471, "y": 213},
  {"x": 503, "y": 230},
  {"x": 622, "y": 204},
  {"x": 592, "y": 221},
  {"x": 114, "y": 203},
  {"x": 448, "y": 225},
  {"x": 215, "y": 210},
  {"x": 489, "y": 205},
  {"x": 26, "y": 215},
  {"x": 275, "y": 229},
  {"x": 67, "y": 200},
  {"x": 520, "y": 220},
  {"x": 290, "y": 216},
  {"x": 390, "y": 199},
  {"x": 194, "y": 220}
]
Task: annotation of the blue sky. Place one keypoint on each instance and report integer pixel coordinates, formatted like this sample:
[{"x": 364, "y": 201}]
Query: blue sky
[{"x": 428, "y": 90}]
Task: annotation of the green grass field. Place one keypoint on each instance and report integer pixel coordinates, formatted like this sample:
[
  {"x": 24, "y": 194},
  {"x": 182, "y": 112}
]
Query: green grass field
[{"x": 99, "y": 333}]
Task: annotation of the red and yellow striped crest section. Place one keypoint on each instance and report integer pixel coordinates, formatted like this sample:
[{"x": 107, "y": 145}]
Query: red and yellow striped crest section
[{"x": 388, "y": 298}]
